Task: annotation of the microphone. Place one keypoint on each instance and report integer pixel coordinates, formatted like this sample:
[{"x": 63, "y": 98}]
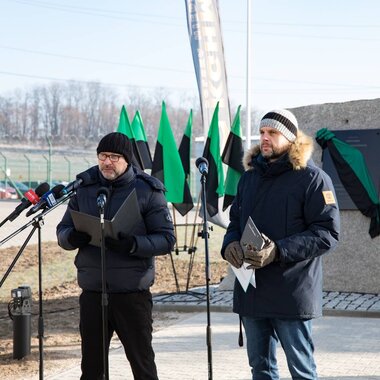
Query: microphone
[
  {"x": 48, "y": 200},
  {"x": 101, "y": 197},
  {"x": 30, "y": 197},
  {"x": 82, "y": 178},
  {"x": 202, "y": 165}
]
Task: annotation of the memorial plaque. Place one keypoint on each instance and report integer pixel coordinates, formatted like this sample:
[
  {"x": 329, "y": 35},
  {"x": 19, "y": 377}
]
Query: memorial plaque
[{"x": 368, "y": 142}]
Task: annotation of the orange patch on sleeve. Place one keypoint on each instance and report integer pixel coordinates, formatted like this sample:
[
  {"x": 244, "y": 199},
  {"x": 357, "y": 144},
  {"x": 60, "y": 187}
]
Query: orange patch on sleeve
[{"x": 328, "y": 195}]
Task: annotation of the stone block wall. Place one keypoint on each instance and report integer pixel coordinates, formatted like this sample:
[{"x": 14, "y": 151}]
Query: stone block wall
[{"x": 355, "y": 265}]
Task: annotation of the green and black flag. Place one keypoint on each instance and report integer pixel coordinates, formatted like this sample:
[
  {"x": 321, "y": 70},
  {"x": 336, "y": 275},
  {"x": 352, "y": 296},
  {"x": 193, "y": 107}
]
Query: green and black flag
[
  {"x": 215, "y": 177},
  {"x": 142, "y": 148},
  {"x": 233, "y": 156},
  {"x": 126, "y": 128},
  {"x": 185, "y": 146},
  {"x": 184, "y": 151},
  {"x": 124, "y": 124},
  {"x": 354, "y": 175},
  {"x": 167, "y": 167}
]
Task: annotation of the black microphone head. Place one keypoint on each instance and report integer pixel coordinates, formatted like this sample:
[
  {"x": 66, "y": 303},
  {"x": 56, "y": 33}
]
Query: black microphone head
[
  {"x": 201, "y": 160},
  {"x": 102, "y": 196},
  {"x": 81, "y": 179},
  {"x": 30, "y": 197},
  {"x": 42, "y": 188},
  {"x": 56, "y": 190},
  {"x": 103, "y": 191},
  {"x": 48, "y": 199},
  {"x": 85, "y": 177}
]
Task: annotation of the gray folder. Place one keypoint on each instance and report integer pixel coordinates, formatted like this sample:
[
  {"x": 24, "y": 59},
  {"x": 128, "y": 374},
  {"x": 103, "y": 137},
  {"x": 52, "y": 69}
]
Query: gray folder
[
  {"x": 251, "y": 236},
  {"x": 125, "y": 220}
]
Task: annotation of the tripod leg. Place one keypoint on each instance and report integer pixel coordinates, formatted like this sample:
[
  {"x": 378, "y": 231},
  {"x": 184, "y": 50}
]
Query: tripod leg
[
  {"x": 175, "y": 231},
  {"x": 185, "y": 239},
  {"x": 21, "y": 250},
  {"x": 175, "y": 273},
  {"x": 190, "y": 269}
]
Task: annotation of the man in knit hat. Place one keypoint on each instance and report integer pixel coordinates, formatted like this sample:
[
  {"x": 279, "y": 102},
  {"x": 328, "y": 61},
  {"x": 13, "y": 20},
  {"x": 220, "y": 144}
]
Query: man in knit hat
[
  {"x": 292, "y": 202},
  {"x": 129, "y": 259}
]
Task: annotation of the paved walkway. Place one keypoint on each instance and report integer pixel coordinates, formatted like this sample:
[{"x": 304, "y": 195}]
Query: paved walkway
[{"x": 346, "y": 349}]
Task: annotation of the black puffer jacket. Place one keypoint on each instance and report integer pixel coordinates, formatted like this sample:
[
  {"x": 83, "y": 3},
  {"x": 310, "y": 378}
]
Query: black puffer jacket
[
  {"x": 293, "y": 203},
  {"x": 154, "y": 235}
]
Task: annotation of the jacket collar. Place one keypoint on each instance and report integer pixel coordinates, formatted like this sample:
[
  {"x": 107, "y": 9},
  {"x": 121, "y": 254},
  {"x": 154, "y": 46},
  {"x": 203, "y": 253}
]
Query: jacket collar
[{"x": 298, "y": 155}]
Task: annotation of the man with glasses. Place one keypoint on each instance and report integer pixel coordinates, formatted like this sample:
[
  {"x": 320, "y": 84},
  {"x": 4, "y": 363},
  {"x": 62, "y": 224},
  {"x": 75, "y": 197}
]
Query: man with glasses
[{"x": 129, "y": 259}]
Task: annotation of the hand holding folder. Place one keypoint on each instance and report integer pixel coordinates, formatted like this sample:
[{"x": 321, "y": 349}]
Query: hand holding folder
[
  {"x": 124, "y": 221},
  {"x": 251, "y": 237}
]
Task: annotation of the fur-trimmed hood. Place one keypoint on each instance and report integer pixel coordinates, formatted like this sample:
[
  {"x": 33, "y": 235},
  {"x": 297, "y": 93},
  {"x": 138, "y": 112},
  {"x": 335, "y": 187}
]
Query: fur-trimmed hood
[{"x": 299, "y": 153}]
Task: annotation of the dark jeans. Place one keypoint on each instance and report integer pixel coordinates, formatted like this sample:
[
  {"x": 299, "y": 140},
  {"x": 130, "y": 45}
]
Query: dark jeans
[
  {"x": 295, "y": 338},
  {"x": 130, "y": 316}
]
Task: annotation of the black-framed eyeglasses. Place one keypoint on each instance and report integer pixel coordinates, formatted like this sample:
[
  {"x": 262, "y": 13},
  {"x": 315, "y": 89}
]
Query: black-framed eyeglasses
[{"x": 112, "y": 157}]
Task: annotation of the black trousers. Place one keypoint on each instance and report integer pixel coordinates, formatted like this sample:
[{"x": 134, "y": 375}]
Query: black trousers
[{"x": 130, "y": 316}]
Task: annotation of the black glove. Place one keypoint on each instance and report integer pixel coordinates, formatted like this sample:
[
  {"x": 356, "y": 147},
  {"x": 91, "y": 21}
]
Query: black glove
[
  {"x": 78, "y": 239},
  {"x": 234, "y": 254},
  {"x": 125, "y": 243}
]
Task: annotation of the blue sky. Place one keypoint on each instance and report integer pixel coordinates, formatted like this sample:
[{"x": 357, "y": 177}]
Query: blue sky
[{"x": 304, "y": 52}]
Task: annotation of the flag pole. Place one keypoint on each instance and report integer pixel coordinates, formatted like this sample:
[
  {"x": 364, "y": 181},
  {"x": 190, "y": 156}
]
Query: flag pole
[
  {"x": 193, "y": 244},
  {"x": 192, "y": 240},
  {"x": 186, "y": 224},
  {"x": 176, "y": 249},
  {"x": 248, "y": 94}
]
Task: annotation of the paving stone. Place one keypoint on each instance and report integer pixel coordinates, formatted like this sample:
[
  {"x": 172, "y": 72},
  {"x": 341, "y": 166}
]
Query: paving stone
[{"x": 182, "y": 352}]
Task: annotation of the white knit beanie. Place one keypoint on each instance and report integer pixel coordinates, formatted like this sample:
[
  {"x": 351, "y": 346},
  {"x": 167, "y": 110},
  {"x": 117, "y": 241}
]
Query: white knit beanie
[{"x": 282, "y": 120}]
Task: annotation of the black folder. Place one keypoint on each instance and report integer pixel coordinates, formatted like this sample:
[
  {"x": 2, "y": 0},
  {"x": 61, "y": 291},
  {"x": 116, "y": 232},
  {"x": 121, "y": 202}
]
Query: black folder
[{"x": 125, "y": 220}]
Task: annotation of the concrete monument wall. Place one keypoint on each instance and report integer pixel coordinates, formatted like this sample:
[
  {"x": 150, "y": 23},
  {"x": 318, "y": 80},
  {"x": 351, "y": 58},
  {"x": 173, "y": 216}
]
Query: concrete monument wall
[{"x": 355, "y": 265}]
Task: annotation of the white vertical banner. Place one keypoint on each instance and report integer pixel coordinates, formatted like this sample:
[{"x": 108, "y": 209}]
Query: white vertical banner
[{"x": 206, "y": 42}]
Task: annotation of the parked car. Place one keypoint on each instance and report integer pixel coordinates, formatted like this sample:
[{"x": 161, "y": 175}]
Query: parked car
[
  {"x": 21, "y": 186},
  {"x": 7, "y": 192}
]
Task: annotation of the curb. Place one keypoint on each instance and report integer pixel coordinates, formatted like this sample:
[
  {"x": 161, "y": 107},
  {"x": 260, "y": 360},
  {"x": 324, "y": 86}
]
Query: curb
[
  {"x": 191, "y": 308},
  {"x": 345, "y": 304},
  {"x": 350, "y": 313}
]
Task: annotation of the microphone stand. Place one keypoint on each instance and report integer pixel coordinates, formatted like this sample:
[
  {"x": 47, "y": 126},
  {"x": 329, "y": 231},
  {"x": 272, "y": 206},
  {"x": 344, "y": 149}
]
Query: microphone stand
[
  {"x": 4, "y": 221},
  {"x": 37, "y": 222},
  {"x": 33, "y": 221},
  {"x": 104, "y": 294},
  {"x": 208, "y": 276}
]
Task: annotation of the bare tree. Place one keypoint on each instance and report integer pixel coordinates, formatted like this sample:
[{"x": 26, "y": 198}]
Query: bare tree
[
  {"x": 51, "y": 98},
  {"x": 78, "y": 114},
  {"x": 35, "y": 113},
  {"x": 6, "y": 112}
]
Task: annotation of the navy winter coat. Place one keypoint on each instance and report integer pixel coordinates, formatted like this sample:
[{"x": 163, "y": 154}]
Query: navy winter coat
[
  {"x": 154, "y": 236},
  {"x": 293, "y": 203}
]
